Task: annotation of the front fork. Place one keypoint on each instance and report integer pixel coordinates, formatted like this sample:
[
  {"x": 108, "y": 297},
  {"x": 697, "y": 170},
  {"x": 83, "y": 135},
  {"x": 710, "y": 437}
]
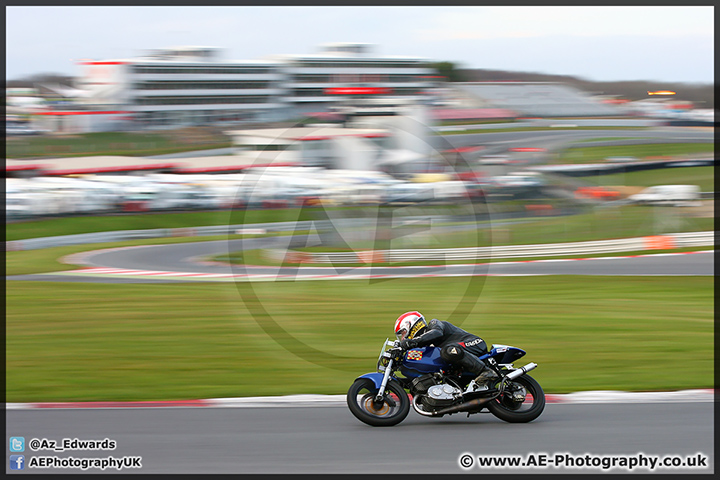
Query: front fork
[{"x": 380, "y": 396}]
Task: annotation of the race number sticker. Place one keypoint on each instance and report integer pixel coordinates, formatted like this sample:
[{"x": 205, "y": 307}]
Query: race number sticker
[{"x": 414, "y": 355}]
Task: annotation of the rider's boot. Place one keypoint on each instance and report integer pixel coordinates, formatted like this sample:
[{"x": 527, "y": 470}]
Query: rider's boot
[
  {"x": 485, "y": 375},
  {"x": 486, "y": 378}
]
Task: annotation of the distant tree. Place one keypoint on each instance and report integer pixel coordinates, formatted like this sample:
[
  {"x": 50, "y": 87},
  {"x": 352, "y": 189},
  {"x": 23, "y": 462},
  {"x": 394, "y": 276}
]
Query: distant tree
[
  {"x": 449, "y": 70},
  {"x": 31, "y": 80}
]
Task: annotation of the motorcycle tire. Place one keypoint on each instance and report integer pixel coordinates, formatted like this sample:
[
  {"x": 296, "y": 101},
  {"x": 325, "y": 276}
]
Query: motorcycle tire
[
  {"x": 392, "y": 411},
  {"x": 509, "y": 415}
]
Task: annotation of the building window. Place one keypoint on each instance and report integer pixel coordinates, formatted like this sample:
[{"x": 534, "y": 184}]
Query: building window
[
  {"x": 308, "y": 92},
  {"x": 205, "y": 85},
  {"x": 361, "y": 64},
  {"x": 173, "y": 69},
  {"x": 205, "y": 100}
]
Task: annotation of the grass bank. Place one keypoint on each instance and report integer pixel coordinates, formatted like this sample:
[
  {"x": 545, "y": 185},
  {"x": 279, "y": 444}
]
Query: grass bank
[
  {"x": 535, "y": 129},
  {"x": 704, "y": 177},
  {"x": 259, "y": 257},
  {"x": 116, "y": 143},
  {"x": 600, "y": 224},
  {"x": 642, "y": 151},
  {"x": 84, "y": 342},
  {"x": 109, "y": 223}
]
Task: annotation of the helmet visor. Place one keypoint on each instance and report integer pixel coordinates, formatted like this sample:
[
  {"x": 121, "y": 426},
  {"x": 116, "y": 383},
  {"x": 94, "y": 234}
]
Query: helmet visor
[{"x": 401, "y": 334}]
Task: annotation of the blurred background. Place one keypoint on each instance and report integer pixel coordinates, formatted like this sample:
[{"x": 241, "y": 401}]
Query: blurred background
[{"x": 181, "y": 128}]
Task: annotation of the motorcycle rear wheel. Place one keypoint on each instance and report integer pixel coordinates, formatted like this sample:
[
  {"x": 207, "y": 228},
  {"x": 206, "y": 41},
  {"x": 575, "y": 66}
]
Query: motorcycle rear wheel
[
  {"x": 393, "y": 409},
  {"x": 518, "y": 414}
]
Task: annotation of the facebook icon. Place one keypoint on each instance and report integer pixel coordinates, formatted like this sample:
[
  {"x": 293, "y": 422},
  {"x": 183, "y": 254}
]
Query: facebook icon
[{"x": 17, "y": 462}]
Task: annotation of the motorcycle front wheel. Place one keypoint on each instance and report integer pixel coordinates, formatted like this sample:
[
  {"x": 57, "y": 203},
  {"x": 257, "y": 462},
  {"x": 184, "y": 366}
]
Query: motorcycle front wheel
[
  {"x": 512, "y": 411},
  {"x": 391, "y": 411}
]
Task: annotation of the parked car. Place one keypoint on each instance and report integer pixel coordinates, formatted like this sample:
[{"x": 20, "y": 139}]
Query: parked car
[
  {"x": 20, "y": 129},
  {"x": 677, "y": 195}
]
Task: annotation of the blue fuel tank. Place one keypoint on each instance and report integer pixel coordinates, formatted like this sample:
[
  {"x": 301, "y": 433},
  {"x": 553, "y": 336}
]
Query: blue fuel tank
[{"x": 420, "y": 361}]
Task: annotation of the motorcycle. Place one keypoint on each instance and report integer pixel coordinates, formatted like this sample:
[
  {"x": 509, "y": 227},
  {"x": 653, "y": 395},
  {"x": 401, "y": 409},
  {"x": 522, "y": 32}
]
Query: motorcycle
[{"x": 437, "y": 388}]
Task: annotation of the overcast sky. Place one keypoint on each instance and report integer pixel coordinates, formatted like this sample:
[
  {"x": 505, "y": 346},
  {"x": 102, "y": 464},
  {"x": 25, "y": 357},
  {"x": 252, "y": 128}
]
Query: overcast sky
[{"x": 669, "y": 44}]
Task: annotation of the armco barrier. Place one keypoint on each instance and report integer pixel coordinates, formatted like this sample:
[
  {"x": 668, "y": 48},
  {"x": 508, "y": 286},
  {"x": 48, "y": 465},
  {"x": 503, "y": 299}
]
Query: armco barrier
[
  {"x": 669, "y": 241},
  {"x": 117, "y": 236},
  {"x": 584, "y": 170},
  {"x": 122, "y": 235}
]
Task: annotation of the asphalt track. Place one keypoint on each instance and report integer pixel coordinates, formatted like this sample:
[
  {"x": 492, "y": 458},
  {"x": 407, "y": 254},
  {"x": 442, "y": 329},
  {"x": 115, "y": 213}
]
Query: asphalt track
[
  {"x": 293, "y": 440},
  {"x": 187, "y": 258}
]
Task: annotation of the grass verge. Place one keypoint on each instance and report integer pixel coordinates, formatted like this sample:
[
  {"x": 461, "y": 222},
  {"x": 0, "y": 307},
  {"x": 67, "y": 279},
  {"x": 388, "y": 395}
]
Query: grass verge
[
  {"x": 95, "y": 342},
  {"x": 616, "y": 222},
  {"x": 704, "y": 177},
  {"x": 116, "y": 143},
  {"x": 599, "y": 154},
  {"x": 536, "y": 129},
  {"x": 110, "y": 223}
]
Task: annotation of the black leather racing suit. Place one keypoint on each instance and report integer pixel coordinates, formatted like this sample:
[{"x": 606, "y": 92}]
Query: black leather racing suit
[{"x": 458, "y": 346}]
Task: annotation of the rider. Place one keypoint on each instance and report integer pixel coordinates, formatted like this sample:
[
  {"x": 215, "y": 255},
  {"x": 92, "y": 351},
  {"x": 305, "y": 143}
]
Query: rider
[{"x": 458, "y": 347}]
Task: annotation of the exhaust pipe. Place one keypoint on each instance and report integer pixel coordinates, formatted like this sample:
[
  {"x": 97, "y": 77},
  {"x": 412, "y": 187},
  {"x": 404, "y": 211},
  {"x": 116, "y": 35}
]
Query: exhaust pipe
[
  {"x": 521, "y": 371},
  {"x": 463, "y": 407}
]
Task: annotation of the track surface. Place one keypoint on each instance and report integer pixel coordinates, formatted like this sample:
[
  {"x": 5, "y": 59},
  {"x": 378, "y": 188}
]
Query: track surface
[
  {"x": 179, "y": 258},
  {"x": 331, "y": 440},
  {"x": 187, "y": 258}
]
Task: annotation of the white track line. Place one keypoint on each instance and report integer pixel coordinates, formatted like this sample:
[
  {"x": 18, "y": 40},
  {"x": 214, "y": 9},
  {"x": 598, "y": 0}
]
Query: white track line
[{"x": 597, "y": 396}]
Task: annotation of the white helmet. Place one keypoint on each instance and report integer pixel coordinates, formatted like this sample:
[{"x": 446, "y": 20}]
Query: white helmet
[{"x": 409, "y": 324}]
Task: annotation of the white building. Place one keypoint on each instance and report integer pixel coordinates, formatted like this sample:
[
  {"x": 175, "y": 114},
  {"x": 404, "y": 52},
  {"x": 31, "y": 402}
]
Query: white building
[
  {"x": 184, "y": 86},
  {"x": 192, "y": 86},
  {"x": 343, "y": 72}
]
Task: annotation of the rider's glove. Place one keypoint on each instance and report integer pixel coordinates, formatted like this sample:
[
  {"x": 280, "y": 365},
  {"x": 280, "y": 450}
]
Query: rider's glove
[{"x": 406, "y": 344}]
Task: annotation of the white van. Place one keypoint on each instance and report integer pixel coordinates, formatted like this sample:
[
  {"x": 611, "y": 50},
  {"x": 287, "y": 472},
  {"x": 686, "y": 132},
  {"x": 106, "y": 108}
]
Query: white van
[{"x": 677, "y": 195}]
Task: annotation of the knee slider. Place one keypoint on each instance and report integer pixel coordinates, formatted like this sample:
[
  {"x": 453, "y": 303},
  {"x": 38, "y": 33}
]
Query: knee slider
[{"x": 452, "y": 353}]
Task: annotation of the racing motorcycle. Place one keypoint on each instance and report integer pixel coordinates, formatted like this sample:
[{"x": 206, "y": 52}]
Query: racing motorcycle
[{"x": 437, "y": 388}]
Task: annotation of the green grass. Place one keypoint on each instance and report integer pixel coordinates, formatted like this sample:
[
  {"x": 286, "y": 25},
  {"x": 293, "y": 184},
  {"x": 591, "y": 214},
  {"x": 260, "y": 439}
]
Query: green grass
[
  {"x": 113, "y": 143},
  {"x": 618, "y": 222},
  {"x": 603, "y": 223},
  {"x": 599, "y": 154},
  {"x": 535, "y": 129},
  {"x": 84, "y": 342},
  {"x": 704, "y": 177},
  {"x": 608, "y": 139},
  {"x": 110, "y": 223},
  {"x": 448, "y": 123}
]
